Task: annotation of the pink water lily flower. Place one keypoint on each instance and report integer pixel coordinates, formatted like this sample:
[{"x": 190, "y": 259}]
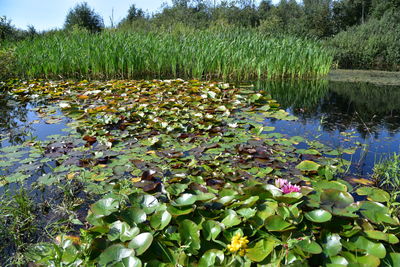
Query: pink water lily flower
[
  {"x": 290, "y": 188},
  {"x": 286, "y": 186}
]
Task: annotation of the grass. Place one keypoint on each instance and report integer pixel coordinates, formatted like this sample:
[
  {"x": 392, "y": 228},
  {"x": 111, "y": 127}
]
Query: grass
[
  {"x": 17, "y": 225},
  {"x": 226, "y": 54},
  {"x": 387, "y": 173}
]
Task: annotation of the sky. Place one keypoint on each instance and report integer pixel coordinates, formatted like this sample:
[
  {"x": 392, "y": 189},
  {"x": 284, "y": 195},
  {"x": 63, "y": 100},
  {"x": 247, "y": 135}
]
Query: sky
[{"x": 50, "y": 14}]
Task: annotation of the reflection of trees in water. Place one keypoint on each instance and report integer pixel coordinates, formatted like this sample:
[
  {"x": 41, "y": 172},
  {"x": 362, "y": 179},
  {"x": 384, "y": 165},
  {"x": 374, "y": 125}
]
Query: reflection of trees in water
[
  {"x": 365, "y": 107},
  {"x": 13, "y": 120}
]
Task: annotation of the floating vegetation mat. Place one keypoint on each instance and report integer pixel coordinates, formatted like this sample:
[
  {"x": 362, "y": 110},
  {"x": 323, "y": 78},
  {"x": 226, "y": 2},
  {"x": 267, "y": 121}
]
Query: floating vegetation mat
[{"x": 187, "y": 173}]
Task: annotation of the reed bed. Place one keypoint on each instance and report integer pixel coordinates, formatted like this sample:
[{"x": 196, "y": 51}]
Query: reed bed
[{"x": 229, "y": 54}]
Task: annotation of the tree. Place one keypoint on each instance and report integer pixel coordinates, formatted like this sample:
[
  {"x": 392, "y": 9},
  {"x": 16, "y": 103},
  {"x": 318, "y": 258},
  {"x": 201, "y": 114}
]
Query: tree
[
  {"x": 85, "y": 17},
  {"x": 318, "y": 17},
  {"x": 6, "y": 29},
  {"x": 134, "y": 13}
]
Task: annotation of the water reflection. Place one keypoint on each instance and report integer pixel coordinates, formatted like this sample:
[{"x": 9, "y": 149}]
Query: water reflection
[
  {"x": 325, "y": 109},
  {"x": 14, "y": 123},
  {"x": 368, "y": 108}
]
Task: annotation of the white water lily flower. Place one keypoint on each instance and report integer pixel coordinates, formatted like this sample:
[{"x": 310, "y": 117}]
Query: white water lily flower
[{"x": 64, "y": 105}]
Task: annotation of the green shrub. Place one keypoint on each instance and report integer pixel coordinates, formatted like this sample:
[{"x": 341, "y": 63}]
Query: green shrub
[
  {"x": 84, "y": 17},
  {"x": 375, "y": 44},
  {"x": 6, "y": 63}
]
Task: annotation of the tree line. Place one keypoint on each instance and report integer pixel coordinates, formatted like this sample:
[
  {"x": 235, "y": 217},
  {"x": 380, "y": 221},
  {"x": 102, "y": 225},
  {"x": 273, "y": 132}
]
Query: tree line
[{"x": 313, "y": 18}]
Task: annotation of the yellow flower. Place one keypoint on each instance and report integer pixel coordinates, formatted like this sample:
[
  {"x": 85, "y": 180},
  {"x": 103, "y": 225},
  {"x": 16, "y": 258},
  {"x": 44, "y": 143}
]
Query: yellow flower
[{"x": 238, "y": 244}]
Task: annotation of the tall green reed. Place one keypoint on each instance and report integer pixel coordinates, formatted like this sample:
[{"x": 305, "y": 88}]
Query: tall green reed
[{"x": 227, "y": 54}]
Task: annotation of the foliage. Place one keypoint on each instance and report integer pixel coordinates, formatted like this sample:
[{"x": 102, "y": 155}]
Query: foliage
[
  {"x": 186, "y": 174},
  {"x": 6, "y": 29},
  {"x": 82, "y": 16},
  {"x": 226, "y": 54},
  {"x": 18, "y": 227},
  {"x": 134, "y": 16},
  {"x": 198, "y": 228},
  {"x": 380, "y": 48},
  {"x": 387, "y": 174},
  {"x": 6, "y": 63}
]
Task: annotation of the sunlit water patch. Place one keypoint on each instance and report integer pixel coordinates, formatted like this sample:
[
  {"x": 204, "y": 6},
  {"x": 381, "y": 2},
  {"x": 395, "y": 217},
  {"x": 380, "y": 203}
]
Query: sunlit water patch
[{"x": 341, "y": 115}]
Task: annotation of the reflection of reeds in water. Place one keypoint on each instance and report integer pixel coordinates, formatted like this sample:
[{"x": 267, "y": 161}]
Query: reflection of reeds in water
[
  {"x": 369, "y": 98},
  {"x": 342, "y": 105},
  {"x": 296, "y": 94}
]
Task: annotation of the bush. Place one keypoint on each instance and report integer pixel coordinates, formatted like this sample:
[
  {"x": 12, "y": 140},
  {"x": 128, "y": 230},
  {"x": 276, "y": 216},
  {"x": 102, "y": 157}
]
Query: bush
[
  {"x": 6, "y": 63},
  {"x": 83, "y": 16},
  {"x": 375, "y": 44}
]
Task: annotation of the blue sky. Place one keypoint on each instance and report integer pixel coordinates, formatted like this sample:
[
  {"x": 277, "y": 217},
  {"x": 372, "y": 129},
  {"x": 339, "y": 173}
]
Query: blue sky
[{"x": 50, "y": 14}]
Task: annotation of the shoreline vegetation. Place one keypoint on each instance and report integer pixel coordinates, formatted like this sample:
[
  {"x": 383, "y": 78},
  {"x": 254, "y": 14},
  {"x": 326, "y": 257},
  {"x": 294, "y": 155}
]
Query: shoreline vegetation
[
  {"x": 224, "y": 54},
  {"x": 228, "y": 40},
  {"x": 365, "y": 76}
]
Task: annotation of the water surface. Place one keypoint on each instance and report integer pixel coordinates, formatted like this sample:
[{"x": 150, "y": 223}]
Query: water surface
[
  {"x": 342, "y": 114},
  {"x": 339, "y": 114}
]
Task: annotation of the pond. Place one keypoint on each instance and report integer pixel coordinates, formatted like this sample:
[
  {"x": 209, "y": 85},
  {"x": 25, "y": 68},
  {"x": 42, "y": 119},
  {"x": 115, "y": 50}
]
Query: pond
[
  {"x": 342, "y": 114},
  {"x": 338, "y": 114},
  {"x": 165, "y": 163}
]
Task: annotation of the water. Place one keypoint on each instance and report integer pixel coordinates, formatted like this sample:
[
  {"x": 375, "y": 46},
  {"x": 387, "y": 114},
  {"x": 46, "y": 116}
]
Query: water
[
  {"x": 339, "y": 114},
  {"x": 342, "y": 114},
  {"x": 20, "y": 122}
]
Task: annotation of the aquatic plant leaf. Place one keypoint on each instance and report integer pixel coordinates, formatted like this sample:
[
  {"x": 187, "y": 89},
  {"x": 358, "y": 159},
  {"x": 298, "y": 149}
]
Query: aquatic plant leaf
[
  {"x": 308, "y": 165},
  {"x": 318, "y": 216},
  {"x": 160, "y": 219},
  {"x": 130, "y": 261},
  {"x": 231, "y": 219},
  {"x": 370, "y": 247},
  {"x": 141, "y": 243},
  {"x": 261, "y": 250},
  {"x": 211, "y": 257},
  {"x": 375, "y": 194},
  {"x": 115, "y": 253},
  {"x": 190, "y": 235},
  {"x": 185, "y": 200},
  {"x": 105, "y": 206},
  {"x": 331, "y": 244},
  {"x": 335, "y": 199},
  {"x": 276, "y": 223},
  {"x": 134, "y": 214},
  {"x": 378, "y": 235},
  {"x": 310, "y": 246},
  {"x": 211, "y": 229},
  {"x": 376, "y": 213},
  {"x": 392, "y": 259}
]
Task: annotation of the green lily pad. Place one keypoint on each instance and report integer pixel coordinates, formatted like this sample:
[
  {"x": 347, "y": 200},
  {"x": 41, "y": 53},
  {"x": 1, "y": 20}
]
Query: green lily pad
[
  {"x": 375, "y": 194},
  {"x": 331, "y": 244},
  {"x": 115, "y": 253},
  {"x": 308, "y": 165},
  {"x": 160, "y": 219},
  {"x": 231, "y": 219},
  {"x": 310, "y": 246},
  {"x": 211, "y": 257},
  {"x": 190, "y": 235},
  {"x": 141, "y": 243},
  {"x": 318, "y": 216},
  {"x": 373, "y": 248},
  {"x": 276, "y": 223},
  {"x": 260, "y": 250},
  {"x": 185, "y": 200},
  {"x": 105, "y": 206}
]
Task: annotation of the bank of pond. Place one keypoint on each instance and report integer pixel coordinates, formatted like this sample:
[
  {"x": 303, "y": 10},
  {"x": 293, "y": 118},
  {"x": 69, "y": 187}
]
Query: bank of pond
[{"x": 193, "y": 173}]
